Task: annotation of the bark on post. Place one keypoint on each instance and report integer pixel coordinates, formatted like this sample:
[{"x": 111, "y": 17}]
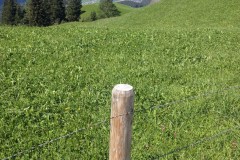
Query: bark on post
[{"x": 121, "y": 122}]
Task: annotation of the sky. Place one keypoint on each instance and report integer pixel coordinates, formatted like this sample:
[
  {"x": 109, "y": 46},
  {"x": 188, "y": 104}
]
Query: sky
[{"x": 19, "y": 1}]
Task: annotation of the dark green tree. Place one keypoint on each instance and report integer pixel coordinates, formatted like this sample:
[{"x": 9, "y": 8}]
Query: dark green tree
[
  {"x": 26, "y": 13},
  {"x": 19, "y": 14},
  {"x": 108, "y": 8},
  {"x": 9, "y": 12},
  {"x": 38, "y": 12},
  {"x": 57, "y": 11},
  {"x": 73, "y": 10},
  {"x": 93, "y": 16},
  {"x": 46, "y": 6}
]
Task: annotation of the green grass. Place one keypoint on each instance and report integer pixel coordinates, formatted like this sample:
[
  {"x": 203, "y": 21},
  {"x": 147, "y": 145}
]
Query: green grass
[
  {"x": 182, "y": 14},
  {"x": 87, "y": 9},
  {"x": 57, "y": 79}
]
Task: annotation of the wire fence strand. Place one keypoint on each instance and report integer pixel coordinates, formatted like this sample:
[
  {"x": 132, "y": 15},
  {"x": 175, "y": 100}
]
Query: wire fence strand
[
  {"x": 206, "y": 94},
  {"x": 200, "y": 141},
  {"x": 54, "y": 140}
]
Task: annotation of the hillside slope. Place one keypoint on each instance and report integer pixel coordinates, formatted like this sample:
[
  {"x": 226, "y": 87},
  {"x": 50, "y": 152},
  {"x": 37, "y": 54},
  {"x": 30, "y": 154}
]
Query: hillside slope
[
  {"x": 87, "y": 9},
  {"x": 181, "y": 56},
  {"x": 182, "y": 14}
]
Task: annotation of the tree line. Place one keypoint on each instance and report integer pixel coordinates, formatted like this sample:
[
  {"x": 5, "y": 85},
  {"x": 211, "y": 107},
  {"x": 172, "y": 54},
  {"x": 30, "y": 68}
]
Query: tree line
[{"x": 49, "y": 12}]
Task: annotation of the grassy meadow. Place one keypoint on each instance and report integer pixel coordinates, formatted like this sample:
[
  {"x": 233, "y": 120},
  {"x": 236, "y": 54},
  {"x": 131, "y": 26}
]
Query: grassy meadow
[
  {"x": 87, "y": 9},
  {"x": 58, "y": 79}
]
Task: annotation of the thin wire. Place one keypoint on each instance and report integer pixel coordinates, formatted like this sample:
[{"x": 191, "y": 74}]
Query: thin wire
[
  {"x": 128, "y": 113},
  {"x": 53, "y": 140},
  {"x": 200, "y": 141},
  {"x": 206, "y": 94},
  {"x": 218, "y": 114}
]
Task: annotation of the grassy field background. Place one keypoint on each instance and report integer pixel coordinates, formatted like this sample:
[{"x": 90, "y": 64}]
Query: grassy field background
[
  {"x": 180, "y": 14},
  {"x": 57, "y": 79},
  {"x": 87, "y": 9}
]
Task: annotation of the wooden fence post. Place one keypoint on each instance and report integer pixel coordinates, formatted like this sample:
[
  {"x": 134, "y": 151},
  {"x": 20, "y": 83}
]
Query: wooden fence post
[{"x": 121, "y": 122}]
